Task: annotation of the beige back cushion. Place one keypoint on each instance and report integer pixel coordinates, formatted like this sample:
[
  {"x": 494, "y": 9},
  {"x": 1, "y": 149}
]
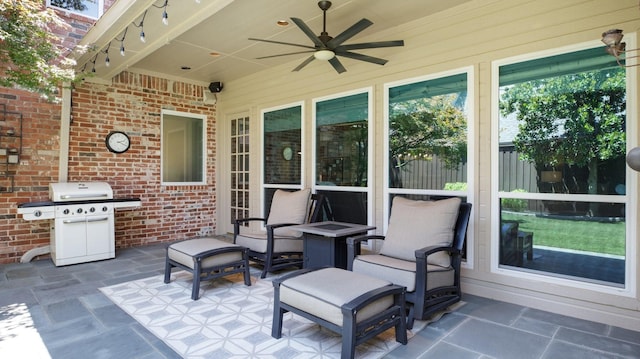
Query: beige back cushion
[
  {"x": 418, "y": 224},
  {"x": 289, "y": 207}
]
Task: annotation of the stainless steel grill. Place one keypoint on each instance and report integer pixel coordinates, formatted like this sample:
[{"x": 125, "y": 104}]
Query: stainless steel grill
[{"x": 82, "y": 217}]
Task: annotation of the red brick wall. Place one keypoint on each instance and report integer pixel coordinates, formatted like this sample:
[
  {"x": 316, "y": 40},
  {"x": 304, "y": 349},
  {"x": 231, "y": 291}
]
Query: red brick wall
[{"x": 132, "y": 103}]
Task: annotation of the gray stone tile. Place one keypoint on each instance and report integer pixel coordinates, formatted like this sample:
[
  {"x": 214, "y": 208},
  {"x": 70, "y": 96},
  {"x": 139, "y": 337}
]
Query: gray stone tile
[
  {"x": 448, "y": 351},
  {"x": 495, "y": 311},
  {"x": 66, "y": 310},
  {"x": 564, "y": 350},
  {"x": 112, "y": 316},
  {"x": 599, "y": 342},
  {"x": 536, "y": 326},
  {"x": 160, "y": 347},
  {"x": 566, "y": 321},
  {"x": 117, "y": 343},
  {"x": 417, "y": 345},
  {"x": 17, "y": 295},
  {"x": 97, "y": 300},
  {"x": 625, "y": 334},
  {"x": 65, "y": 334},
  {"x": 497, "y": 341}
]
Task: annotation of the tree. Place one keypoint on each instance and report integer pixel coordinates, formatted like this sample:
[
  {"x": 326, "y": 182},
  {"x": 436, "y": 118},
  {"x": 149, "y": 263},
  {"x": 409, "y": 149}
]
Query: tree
[
  {"x": 70, "y": 4},
  {"x": 577, "y": 119},
  {"x": 32, "y": 56},
  {"x": 427, "y": 127}
]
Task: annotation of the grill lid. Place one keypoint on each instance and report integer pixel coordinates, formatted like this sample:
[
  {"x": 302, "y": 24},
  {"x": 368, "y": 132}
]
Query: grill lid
[{"x": 79, "y": 191}]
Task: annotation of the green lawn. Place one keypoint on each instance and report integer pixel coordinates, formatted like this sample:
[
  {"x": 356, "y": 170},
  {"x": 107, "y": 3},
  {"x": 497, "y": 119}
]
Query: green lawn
[{"x": 590, "y": 236}]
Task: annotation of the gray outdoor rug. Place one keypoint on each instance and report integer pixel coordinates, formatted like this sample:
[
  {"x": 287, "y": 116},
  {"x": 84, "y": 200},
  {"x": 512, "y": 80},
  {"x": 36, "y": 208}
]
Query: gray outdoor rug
[{"x": 231, "y": 320}]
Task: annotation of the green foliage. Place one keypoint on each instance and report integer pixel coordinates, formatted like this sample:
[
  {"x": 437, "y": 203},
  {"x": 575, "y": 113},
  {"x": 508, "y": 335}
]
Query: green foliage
[
  {"x": 514, "y": 204},
  {"x": 427, "y": 127},
  {"x": 69, "y": 4},
  {"x": 572, "y": 118},
  {"x": 31, "y": 55},
  {"x": 455, "y": 186}
]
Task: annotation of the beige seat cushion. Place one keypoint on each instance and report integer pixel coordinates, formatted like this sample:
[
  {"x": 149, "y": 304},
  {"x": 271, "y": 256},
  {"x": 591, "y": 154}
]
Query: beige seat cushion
[
  {"x": 183, "y": 252},
  {"x": 289, "y": 207},
  {"x": 418, "y": 224},
  {"x": 324, "y": 291},
  {"x": 402, "y": 272},
  {"x": 257, "y": 242}
]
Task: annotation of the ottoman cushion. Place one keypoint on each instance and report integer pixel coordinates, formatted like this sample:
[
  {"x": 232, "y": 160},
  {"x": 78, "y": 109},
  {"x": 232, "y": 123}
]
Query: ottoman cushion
[
  {"x": 324, "y": 291},
  {"x": 183, "y": 252}
]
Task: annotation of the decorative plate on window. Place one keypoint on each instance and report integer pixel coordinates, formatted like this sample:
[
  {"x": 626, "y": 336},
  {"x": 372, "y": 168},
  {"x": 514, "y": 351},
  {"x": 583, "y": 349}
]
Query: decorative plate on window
[{"x": 287, "y": 153}]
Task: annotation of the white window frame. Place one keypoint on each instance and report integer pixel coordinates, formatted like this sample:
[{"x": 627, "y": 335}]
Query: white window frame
[
  {"x": 203, "y": 118},
  {"x": 293, "y": 187},
  {"x": 631, "y": 206},
  {"x": 471, "y": 157},
  {"x": 99, "y": 3}
]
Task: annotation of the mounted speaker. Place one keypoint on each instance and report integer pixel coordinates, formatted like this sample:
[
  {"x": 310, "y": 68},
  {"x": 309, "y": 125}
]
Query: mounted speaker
[{"x": 215, "y": 87}]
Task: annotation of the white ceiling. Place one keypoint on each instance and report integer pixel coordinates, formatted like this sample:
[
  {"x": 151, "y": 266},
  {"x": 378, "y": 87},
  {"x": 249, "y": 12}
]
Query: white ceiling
[{"x": 196, "y": 30}]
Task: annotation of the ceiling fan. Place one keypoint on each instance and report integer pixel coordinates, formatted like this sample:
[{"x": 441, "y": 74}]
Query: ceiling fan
[{"x": 327, "y": 48}]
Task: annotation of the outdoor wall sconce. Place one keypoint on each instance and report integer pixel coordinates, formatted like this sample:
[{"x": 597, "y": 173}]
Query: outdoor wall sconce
[{"x": 615, "y": 47}]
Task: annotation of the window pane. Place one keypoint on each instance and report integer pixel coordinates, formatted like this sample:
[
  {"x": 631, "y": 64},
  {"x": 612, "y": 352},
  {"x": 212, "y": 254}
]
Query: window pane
[
  {"x": 89, "y": 8},
  {"x": 428, "y": 134},
  {"x": 562, "y": 133},
  {"x": 588, "y": 248},
  {"x": 342, "y": 141},
  {"x": 183, "y": 147},
  {"x": 562, "y": 125},
  {"x": 283, "y": 146}
]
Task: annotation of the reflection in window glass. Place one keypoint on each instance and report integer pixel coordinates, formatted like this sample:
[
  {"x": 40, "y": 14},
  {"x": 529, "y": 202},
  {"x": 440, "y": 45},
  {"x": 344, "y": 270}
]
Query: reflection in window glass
[
  {"x": 342, "y": 133},
  {"x": 89, "y": 8},
  {"x": 428, "y": 134},
  {"x": 586, "y": 248},
  {"x": 183, "y": 147},
  {"x": 562, "y": 133},
  {"x": 283, "y": 146}
]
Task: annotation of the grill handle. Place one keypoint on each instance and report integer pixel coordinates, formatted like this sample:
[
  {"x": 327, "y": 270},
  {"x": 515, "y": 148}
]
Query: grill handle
[
  {"x": 84, "y": 195},
  {"x": 81, "y": 220}
]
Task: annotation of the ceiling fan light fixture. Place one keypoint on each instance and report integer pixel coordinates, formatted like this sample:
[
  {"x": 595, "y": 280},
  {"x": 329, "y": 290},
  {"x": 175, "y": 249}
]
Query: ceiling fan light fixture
[{"x": 324, "y": 55}]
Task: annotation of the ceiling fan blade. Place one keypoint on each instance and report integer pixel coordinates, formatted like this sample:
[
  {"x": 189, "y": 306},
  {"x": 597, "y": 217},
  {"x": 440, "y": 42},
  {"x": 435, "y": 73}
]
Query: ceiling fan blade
[
  {"x": 287, "y": 54},
  {"x": 304, "y": 63},
  {"x": 282, "y": 43},
  {"x": 337, "y": 65},
  {"x": 308, "y": 32},
  {"x": 361, "y": 57},
  {"x": 370, "y": 45},
  {"x": 349, "y": 33}
]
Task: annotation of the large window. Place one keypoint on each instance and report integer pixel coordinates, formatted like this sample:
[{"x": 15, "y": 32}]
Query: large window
[
  {"x": 88, "y": 8},
  {"x": 282, "y": 150},
  {"x": 561, "y": 166},
  {"x": 183, "y": 148},
  {"x": 343, "y": 156}
]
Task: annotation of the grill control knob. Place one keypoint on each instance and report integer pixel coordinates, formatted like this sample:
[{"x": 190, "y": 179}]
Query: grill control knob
[
  {"x": 37, "y": 213},
  {"x": 92, "y": 209},
  {"x": 79, "y": 210},
  {"x": 66, "y": 211},
  {"x": 104, "y": 209}
]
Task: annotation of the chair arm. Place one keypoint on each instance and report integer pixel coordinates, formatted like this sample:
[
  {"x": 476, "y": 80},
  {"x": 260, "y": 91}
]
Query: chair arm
[
  {"x": 371, "y": 296},
  {"x": 426, "y": 251},
  {"x": 238, "y": 222},
  {"x": 216, "y": 251},
  {"x": 353, "y": 246},
  {"x": 278, "y": 225}
]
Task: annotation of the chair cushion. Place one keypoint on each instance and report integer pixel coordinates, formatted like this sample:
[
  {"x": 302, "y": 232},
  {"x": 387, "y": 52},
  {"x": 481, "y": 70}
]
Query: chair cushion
[
  {"x": 257, "y": 242},
  {"x": 418, "y": 224},
  {"x": 289, "y": 207},
  {"x": 183, "y": 252},
  {"x": 402, "y": 272},
  {"x": 323, "y": 293}
]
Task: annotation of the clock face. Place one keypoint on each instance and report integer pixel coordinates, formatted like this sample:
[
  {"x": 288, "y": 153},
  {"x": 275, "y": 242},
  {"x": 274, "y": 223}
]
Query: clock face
[{"x": 118, "y": 142}]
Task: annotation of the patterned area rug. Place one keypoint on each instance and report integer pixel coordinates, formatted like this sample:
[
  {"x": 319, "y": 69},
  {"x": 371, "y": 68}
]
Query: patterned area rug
[{"x": 231, "y": 320}]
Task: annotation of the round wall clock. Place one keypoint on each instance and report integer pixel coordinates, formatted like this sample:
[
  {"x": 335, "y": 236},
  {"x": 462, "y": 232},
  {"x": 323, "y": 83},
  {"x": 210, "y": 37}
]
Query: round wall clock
[
  {"x": 287, "y": 153},
  {"x": 118, "y": 142}
]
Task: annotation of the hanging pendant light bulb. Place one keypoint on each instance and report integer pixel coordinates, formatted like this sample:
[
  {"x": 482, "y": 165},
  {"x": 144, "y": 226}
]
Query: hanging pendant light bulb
[
  {"x": 142, "y": 38},
  {"x": 122, "y": 49},
  {"x": 165, "y": 18},
  {"x": 107, "y": 63}
]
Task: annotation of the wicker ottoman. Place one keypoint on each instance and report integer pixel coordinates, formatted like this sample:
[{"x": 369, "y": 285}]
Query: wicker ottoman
[
  {"x": 206, "y": 258},
  {"x": 354, "y": 305}
]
